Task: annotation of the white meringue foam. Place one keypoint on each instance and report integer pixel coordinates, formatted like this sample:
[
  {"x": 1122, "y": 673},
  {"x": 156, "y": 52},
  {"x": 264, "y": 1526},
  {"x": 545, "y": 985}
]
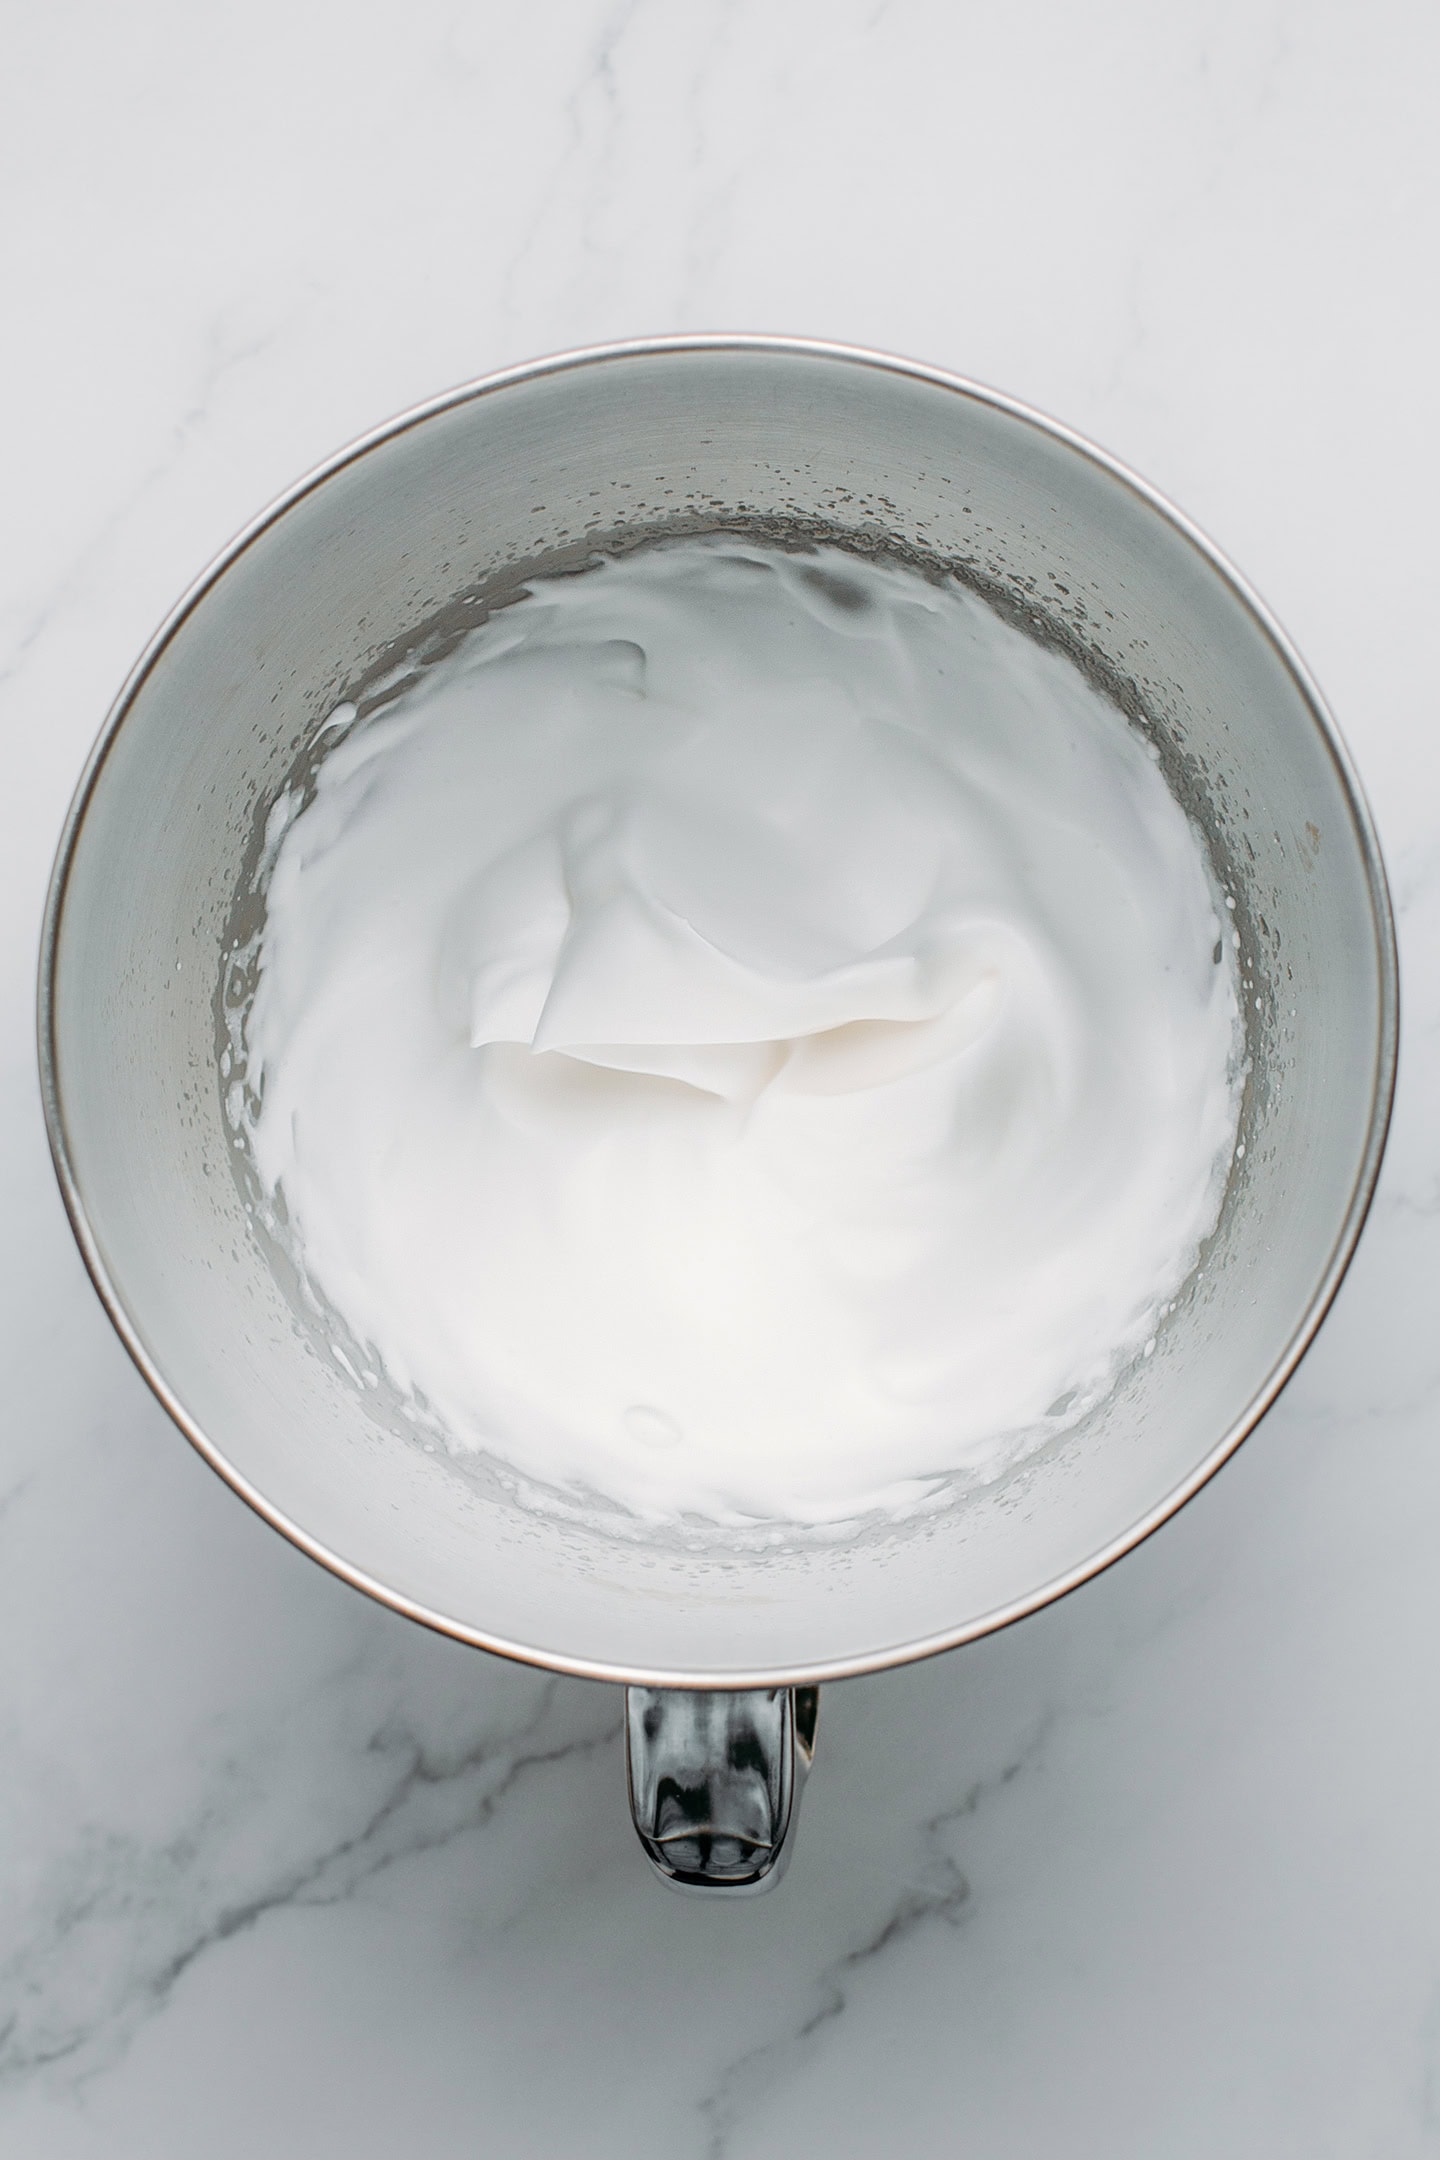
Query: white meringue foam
[{"x": 748, "y": 1036}]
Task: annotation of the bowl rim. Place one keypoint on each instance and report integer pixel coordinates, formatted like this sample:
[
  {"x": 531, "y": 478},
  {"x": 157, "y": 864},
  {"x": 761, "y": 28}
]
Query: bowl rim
[{"x": 1337, "y": 1260}]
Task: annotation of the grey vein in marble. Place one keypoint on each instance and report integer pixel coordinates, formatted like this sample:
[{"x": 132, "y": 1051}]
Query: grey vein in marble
[
  {"x": 429, "y": 1801},
  {"x": 942, "y": 1895}
]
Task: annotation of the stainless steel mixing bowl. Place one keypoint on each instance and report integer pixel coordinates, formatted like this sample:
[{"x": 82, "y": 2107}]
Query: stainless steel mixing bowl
[{"x": 394, "y": 546}]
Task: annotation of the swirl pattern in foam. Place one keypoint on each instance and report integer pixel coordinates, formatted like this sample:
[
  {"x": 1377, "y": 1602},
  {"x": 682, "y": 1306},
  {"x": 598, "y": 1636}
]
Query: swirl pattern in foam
[{"x": 748, "y": 1035}]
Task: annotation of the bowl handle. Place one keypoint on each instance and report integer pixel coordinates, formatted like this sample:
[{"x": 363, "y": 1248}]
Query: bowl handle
[{"x": 715, "y": 1781}]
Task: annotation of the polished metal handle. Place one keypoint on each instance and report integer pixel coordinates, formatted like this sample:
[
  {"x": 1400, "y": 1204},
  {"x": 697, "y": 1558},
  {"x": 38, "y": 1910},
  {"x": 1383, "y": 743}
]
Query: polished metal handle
[{"x": 715, "y": 1781}]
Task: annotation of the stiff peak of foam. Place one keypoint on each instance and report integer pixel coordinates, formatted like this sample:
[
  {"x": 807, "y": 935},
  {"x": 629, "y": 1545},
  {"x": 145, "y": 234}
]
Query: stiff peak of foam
[{"x": 744, "y": 1037}]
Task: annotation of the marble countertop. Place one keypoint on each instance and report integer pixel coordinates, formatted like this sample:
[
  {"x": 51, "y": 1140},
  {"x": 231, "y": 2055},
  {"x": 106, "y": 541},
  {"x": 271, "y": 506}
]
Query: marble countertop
[{"x": 1155, "y": 1873}]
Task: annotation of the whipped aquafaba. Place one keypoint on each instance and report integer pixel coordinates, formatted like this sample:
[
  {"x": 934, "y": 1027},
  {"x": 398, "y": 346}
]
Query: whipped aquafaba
[{"x": 748, "y": 1036}]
